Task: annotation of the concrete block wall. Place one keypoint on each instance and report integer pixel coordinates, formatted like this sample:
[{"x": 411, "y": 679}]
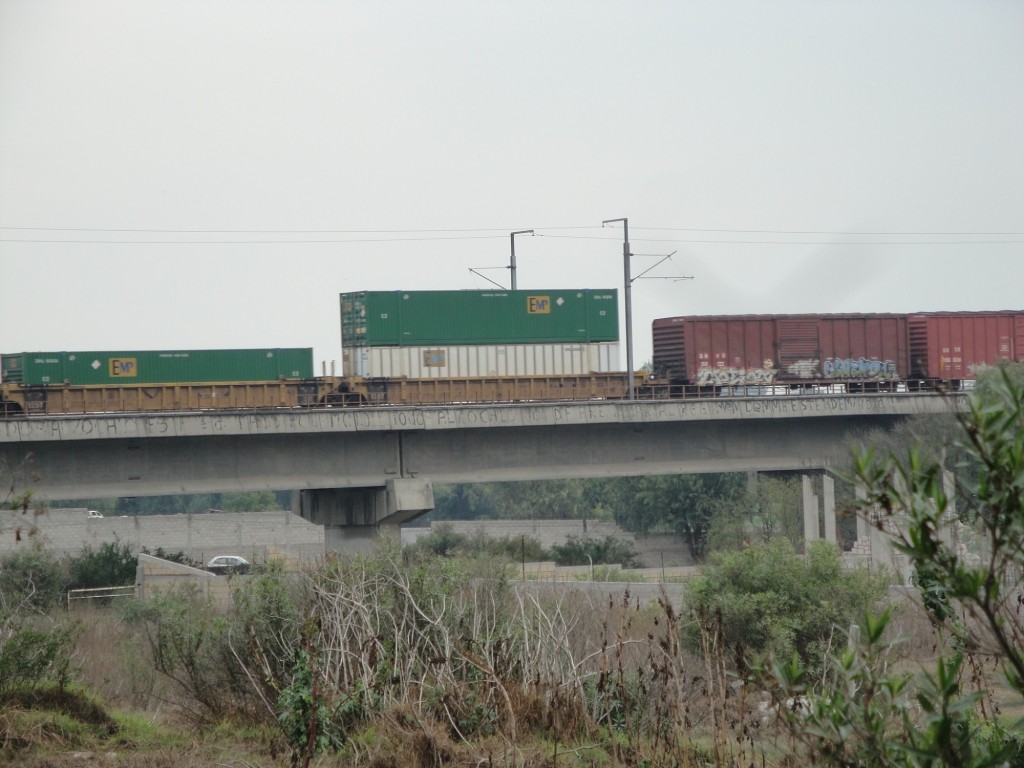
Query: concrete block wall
[
  {"x": 261, "y": 535},
  {"x": 155, "y": 575},
  {"x": 667, "y": 550},
  {"x": 547, "y": 532},
  {"x": 654, "y": 550},
  {"x": 254, "y": 535}
]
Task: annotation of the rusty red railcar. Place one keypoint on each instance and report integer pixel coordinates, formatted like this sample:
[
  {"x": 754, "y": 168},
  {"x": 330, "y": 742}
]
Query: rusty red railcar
[
  {"x": 865, "y": 352},
  {"x": 951, "y": 347}
]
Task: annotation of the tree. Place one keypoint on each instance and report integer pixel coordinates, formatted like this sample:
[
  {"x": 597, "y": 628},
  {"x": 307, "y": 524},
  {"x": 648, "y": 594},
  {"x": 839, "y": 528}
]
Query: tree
[
  {"x": 249, "y": 501},
  {"x": 983, "y": 587},
  {"x": 111, "y": 564},
  {"x": 862, "y": 713},
  {"x": 681, "y": 504},
  {"x": 525, "y": 500},
  {"x": 779, "y": 512},
  {"x": 585, "y": 551},
  {"x": 17, "y": 506},
  {"x": 771, "y": 511},
  {"x": 769, "y": 599},
  {"x": 31, "y": 578}
]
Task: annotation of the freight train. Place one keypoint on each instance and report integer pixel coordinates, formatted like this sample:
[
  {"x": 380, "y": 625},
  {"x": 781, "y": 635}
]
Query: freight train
[
  {"x": 837, "y": 352},
  {"x": 430, "y": 347}
]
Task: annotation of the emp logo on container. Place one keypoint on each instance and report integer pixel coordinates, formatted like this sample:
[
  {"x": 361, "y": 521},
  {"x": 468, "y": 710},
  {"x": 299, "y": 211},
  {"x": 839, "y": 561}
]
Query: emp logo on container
[
  {"x": 123, "y": 367},
  {"x": 538, "y": 305}
]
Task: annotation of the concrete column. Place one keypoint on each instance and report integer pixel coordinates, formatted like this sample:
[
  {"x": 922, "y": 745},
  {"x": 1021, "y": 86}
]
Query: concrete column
[
  {"x": 354, "y": 519},
  {"x": 829, "y": 500},
  {"x": 948, "y": 531},
  {"x": 358, "y": 539},
  {"x": 811, "y": 529},
  {"x": 884, "y": 528},
  {"x": 881, "y": 544},
  {"x": 862, "y": 521},
  {"x": 949, "y": 488}
]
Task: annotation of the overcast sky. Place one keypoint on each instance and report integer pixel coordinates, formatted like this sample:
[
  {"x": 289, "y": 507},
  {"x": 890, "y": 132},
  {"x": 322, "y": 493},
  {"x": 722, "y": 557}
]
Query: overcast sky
[{"x": 212, "y": 174}]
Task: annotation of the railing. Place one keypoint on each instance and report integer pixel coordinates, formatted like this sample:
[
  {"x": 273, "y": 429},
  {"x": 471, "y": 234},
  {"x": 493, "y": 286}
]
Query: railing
[{"x": 103, "y": 594}]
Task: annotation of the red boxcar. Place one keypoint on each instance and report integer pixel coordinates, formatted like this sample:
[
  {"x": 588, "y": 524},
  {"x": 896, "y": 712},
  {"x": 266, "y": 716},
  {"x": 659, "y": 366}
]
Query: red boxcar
[
  {"x": 862, "y": 352},
  {"x": 797, "y": 350},
  {"x": 953, "y": 346}
]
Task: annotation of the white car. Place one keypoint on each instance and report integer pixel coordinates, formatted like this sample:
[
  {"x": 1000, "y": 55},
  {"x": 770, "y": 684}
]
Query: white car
[
  {"x": 228, "y": 563},
  {"x": 92, "y": 514}
]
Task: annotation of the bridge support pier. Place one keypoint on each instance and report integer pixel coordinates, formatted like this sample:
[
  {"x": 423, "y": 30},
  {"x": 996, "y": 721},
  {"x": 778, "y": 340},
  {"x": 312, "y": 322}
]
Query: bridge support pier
[
  {"x": 812, "y": 507},
  {"x": 355, "y": 519},
  {"x": 812, "y": 528},
  {"x": 828, "y": 498}
]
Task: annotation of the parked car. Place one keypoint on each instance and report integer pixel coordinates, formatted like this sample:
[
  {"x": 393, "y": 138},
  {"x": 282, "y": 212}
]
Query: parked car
[
  {"x": 229, "y": 564},
  {"x": 92, "y": 514}
]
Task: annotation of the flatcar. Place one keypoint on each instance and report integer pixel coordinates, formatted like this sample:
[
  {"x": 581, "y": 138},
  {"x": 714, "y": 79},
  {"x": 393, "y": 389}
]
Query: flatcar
[{"x": 318, "y": 392}]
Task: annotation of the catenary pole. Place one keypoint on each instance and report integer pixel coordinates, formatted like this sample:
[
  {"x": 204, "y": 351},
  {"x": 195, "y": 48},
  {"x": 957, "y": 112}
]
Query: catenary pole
[{"x": 628, "y": 290}]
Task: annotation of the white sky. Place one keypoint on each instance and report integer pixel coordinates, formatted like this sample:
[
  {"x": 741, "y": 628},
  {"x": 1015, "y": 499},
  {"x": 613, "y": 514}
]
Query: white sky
[{"x": 370, "y": 126}]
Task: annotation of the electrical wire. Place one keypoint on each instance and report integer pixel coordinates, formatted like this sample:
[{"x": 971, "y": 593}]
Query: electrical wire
[{"x": 479, "y": 233}]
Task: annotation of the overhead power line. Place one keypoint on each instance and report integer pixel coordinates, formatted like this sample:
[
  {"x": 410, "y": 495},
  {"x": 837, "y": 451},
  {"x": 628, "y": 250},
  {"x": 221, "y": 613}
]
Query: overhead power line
[
  {"x": 255, "y": 242},
  {"x": 504, "y": 231},
  {"x": 865, "y": 243},
  {"x": 302, "y": 236},
  {"x": 796, "y": 242},
  {"x": 845, "y": 233}
]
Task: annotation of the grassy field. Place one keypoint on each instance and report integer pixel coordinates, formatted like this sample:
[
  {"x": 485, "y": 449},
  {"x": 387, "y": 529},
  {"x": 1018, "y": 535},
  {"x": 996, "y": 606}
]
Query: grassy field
[{"x": 122, "y": 712}]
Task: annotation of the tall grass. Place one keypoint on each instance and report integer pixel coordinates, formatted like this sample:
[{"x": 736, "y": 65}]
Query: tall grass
[{"x": 367, "y": 661}]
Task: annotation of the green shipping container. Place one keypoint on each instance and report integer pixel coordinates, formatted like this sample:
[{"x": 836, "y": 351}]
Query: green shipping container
[
  {"x": 446, "y": 318},
  {"x": 157, "y": 367}
]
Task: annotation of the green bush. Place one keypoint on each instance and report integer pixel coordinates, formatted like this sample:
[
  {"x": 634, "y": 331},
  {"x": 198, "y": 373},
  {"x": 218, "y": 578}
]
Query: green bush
[
  {"x": 232, "y": 664},
  {"x": 112, "y": 564},
  {"x": 587, "y": 551},
  {"x": 31, "y": 657},
  {"x": 174, "y": 557},
  {"x": 31, "y": 578},
  {"x": 769, "y": 599},
  {"x": 442, "y": 541}
]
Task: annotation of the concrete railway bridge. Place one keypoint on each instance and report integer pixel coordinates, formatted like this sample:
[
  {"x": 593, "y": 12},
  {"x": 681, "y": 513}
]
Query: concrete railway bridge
[{"x": 364, "y": 471}]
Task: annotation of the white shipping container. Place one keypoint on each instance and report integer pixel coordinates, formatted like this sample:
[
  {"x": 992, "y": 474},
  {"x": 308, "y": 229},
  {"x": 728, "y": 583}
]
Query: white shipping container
[{"x": 470, "y": 360}]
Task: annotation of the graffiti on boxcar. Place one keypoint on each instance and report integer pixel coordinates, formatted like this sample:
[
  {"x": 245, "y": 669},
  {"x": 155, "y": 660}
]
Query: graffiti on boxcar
[
  {"x": 804, "y": 369},
  {"x": 735, "y": 377},
  {"x": 859, "y": 368}
]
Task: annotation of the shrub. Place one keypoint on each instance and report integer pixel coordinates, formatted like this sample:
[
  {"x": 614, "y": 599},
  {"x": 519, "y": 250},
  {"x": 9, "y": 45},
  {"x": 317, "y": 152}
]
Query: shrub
[
  {"x": 586, "y": 551},
  {"x": 174, "y": 557},
  {"x": 442, "y": 541},
  {"x": 862, "y": 713},
  {"x": 31, "y": 578},
  {"x": 31, "y": 657},
  {"x": 111, "y": 565},
  {"x": 231, "y": 664},
  {"x": 769, "y": 599}
]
